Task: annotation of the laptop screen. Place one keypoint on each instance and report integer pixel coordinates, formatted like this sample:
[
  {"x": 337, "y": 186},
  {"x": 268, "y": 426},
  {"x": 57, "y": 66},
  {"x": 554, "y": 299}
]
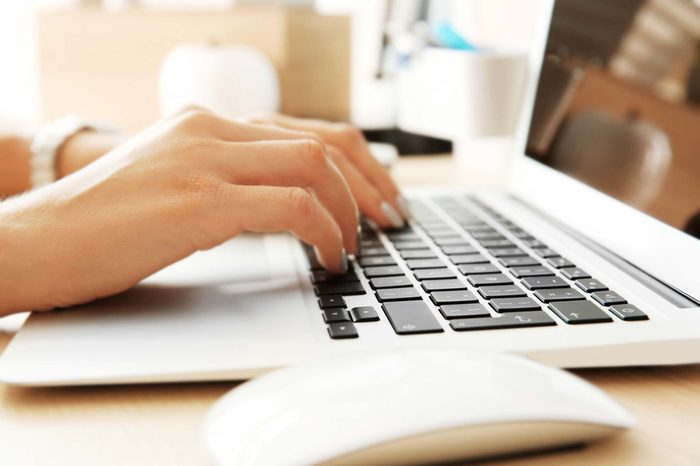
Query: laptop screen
[{"x": 618, "y": 103}]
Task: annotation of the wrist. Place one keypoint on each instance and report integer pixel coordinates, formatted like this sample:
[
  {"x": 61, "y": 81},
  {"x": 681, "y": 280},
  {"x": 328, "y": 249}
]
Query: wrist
[
  {"x": 14, "y": 160},
  {"x": 83, "y": 148}
]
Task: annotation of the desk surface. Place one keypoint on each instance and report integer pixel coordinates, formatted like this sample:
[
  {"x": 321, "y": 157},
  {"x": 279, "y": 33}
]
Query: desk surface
[{"x": 160, "y": 424}]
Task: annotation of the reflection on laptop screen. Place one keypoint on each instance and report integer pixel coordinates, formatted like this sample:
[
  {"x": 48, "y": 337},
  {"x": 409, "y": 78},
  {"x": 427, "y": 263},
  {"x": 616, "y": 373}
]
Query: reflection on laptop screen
[{"x": 618, "y": 103}]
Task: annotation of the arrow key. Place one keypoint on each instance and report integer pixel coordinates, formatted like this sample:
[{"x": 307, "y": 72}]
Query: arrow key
[{"x": 579, "y": 312}]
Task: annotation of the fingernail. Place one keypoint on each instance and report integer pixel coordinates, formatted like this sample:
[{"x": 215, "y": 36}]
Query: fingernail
[
  {"x": 343, "y": 261},
  {"x": 404, "y": 206},
  {"x": 393, "y": 216}
]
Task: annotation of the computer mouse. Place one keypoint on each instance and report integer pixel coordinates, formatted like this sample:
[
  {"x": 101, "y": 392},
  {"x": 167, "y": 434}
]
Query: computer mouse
[{"x": 407, "y": 406}]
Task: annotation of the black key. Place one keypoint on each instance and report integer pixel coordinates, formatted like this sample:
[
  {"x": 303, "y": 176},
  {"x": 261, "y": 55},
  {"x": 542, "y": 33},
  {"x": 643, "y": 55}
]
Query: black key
[
  {"x": 427, "y": 274},
  {"x": 442, "y": 233},
  {"x": 487, "y": 235},
  {"x": 364, "y": 314},
  {"x": 373, "y": 251},
  {"x": 390, "y": 282},
  {"x": 497, "y": 243},
  {"x": 331, "y": 300},
  {"x": 335, "y": 315},
  {"x": 459, "y": 250},
  {"x": 324, "y": 276},
  {"x": 559, "y": 262},
  {"x": 546, "y": 252},
  {"x": 501, "y": 291},
  {"x": 385, "y": 271},
  {"x": 507, "y": 252},
  {"x": 489, "y": 279},
  {"x": 397, "y": 294},
  {"x": 452, "y": 297},
  {"x": 514, "y": 304},
  {"x": 536, "y": 283},
  {"x": 371, "y": 243},
  {"x": 574, "y": 273},
  {"x": 409, "y": 317},
  {"x": 579, "y": 312},
  {"x": 403, "y": 236},
  {"x": 418, "y": 254},
  {"x": 558, "y": 294},
  {"x": 347, "y": 288},
  {"x": 628, "y": 312},
  {"x": 515, "y": 320},
  {"x": 458, "y": 311},
  {"x": 518, "y": 261},
  {"x": 468, "y": 259},
  {"x": 442, "y": 285},
  {"x": 424, "y": 263},
  {"x": 452, "y": 241},
  {"x": 405, "y": 245},
  {"x": 342, "y": 330},
  {"x": 534, "y": 243},
  {"x": 608, "y": 298},
  {"x": 536, "y": 271},
  {"x": 590, "y": 284},
  {"x": 375, "y": 261},
  {"x": 476, "y": 269}
]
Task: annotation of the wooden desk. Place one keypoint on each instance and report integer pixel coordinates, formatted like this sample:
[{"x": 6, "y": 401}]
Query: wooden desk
[{"x": 161, "y": 424}]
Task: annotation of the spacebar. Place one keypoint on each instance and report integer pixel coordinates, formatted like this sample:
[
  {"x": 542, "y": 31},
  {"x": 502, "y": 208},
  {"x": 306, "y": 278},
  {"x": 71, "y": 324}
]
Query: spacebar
[{"x": 409, "y": 317}]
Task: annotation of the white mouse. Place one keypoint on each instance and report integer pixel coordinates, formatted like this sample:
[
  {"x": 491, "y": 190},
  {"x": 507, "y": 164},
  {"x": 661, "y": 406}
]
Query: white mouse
[{"x": 410, "y": 406}]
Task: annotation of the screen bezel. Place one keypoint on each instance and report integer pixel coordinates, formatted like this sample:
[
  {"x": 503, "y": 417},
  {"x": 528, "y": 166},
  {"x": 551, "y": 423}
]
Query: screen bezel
[{"x": 662, "y": 251}]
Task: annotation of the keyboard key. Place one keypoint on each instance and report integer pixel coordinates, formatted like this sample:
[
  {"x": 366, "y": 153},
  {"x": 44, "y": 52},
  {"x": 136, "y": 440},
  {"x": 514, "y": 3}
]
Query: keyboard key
[
  {"x": 418, "y": 254},
  {"x": 574, "y": 273},
  {"x": 546, "y": 252},
  {"x": 514, "y": 304},
  {"x": 560, "y": 262},
  {"x": 628, "y": 312},
  {"x": 534, "y": 243},
  {"x": 507, "y": 252},
  {"x": 454, "y": 250},
  {"x": 424, "y": 263},
  {"x": 476, "y": 269},
  {"x": 397, "y": 294},
  {"x": 427, "y": 274},
  {"x": 378, "y": 260},
  {"x": 364, "y": 314},
  {"x": 515, "y": 320},
  {"x": 442, "y": 285},
  {"x": 445, "y": 232},
  {"x": 384, "y": 271},
  {"x": 409, "y": 317},
  {"x": 390, "y": 282},
  {"x": 373, "y": 251},
  {"x": 497, "y": 243},
  {"x": 371, "y": 243},
  {"x": 608, "y": 298},
  {"x": 468, "y": 259},
  {"x": 452, "y": 241},
  {"x": 331, "y": 300},
  {"x": 502, "y": 291},
  {"x": 453, "y": 297},
  {"x": 335, "y": 315},
  {"x": 489, "y": 279},
  {"x": 590, "y": 284},
  {"x": 406, "y": 245},
  {"x": 458, "y": 311},
  {"x": 342, "y": 330},
  {"x": 518, "y": 261},
  {"x": 487, "y": 235},
  {"x": 536, "y": 283},
  {"x": 343, "y": 288},
  {"x": 558, "y": 294},
  {"x": 536, "y": 271},
  {"x": 408, "y": 235},
  {"x": 324, "y": 276},
  {"x": 579, "y": 312}
]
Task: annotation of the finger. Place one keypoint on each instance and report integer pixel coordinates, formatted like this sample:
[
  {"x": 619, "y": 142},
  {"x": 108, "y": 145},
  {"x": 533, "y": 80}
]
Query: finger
[
  {"x": 300, "y": 163},
  {"x": 368, "y": 198},
  {"x": 264, "y": 209},
  {"x": 352, "y": 142}
]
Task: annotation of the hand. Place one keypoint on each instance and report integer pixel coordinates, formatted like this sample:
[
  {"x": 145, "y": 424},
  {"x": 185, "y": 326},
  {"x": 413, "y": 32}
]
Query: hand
[
  {"x": 186, "y": 184},
  {"x": 375, "y": 192}
]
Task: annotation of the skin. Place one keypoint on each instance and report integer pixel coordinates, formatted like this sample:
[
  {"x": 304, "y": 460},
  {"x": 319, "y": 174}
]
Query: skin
[{"x": 186, "y": 184}]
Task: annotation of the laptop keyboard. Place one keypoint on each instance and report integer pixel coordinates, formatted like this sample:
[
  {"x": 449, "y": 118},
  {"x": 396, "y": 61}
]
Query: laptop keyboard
[{"x": 487, "y": 274}]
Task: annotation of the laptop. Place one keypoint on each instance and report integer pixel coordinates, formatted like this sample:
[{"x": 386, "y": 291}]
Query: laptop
[{"x": 562, "y": 266}]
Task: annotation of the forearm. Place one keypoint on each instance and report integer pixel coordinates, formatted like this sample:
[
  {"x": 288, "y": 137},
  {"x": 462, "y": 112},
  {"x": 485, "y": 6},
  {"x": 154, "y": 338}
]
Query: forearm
[{"x": 14, "y": 165}]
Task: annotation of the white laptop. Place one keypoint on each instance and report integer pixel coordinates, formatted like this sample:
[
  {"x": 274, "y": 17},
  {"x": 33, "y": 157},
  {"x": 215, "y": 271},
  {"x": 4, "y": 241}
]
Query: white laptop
[{"x": 551, "y": 268}]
